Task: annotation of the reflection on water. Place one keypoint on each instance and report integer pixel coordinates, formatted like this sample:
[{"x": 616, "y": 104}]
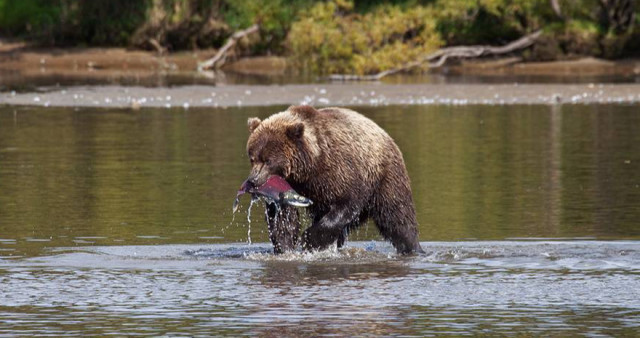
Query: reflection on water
[
  {"x": 35, "y": 80},
  {"x": 127, "y": 186},
  {"x": 43, "y": 79}
]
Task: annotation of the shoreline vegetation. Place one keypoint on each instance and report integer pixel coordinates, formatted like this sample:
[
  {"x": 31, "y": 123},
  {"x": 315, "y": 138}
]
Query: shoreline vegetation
[{"x": 321, "y": 38}]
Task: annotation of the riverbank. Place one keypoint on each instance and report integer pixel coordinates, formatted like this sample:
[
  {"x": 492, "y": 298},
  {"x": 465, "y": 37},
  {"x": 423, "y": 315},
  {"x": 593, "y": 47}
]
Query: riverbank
[
  {"x": 328, "y": 94},
  {"x": 117, "y": 77},
  {"x": 21, "y": 64}
]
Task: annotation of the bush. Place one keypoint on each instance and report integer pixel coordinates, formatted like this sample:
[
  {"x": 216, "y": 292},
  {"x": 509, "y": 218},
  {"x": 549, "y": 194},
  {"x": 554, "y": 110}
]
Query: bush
[
  {"x": 332, "y": 38},
  {"x": 38, "y": 18},
  {"x": 490, "y": 21},
  {"x": 585, "y": 27},
  {"x": 84, "y": 22},
  {"x": 275, "y": 18}
]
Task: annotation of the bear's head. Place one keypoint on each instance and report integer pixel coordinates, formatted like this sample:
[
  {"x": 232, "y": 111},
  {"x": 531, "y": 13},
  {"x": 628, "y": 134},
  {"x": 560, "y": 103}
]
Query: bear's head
[{"x": 283, "y": 144}]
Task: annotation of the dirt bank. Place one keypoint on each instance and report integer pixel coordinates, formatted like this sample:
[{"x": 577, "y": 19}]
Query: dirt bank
[
  {"x": 325, "y": 95},
  {"x": 19, "y": 61},
  {"x": 21, "y": 65}
]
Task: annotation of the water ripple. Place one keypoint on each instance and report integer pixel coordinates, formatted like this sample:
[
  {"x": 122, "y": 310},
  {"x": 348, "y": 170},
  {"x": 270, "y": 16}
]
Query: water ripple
[{"x": 543, "y": 287}]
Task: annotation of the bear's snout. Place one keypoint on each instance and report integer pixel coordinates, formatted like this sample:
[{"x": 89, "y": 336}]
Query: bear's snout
[
  {"x": 258, "y": 176},
  {"x": 253, "y": 181}
]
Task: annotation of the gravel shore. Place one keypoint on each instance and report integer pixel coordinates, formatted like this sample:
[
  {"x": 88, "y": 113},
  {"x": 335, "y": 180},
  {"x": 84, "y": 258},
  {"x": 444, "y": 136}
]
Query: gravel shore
[{"x": 330, "y": 94}]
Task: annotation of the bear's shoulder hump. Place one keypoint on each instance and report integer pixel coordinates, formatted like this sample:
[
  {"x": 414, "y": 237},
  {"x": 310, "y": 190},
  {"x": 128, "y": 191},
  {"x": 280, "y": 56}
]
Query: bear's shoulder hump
[{"x": 305, "y": 112}]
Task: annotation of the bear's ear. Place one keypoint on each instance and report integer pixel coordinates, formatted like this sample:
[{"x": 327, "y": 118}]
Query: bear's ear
[
  {"x": 253, "y": 123},
  {"x": 295, "y": 131}
]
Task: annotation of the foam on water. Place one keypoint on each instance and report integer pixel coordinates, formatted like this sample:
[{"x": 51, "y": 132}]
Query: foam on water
[{"x": 352, "y": 255}]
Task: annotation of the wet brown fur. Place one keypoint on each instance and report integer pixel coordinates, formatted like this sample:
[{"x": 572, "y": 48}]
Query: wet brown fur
[
  {"x": 284, "y": 227},
  {"x": 346, "y": 164}
]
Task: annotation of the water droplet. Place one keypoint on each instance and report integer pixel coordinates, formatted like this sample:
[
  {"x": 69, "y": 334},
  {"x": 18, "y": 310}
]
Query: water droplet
[{"x": 253, "y": 200}]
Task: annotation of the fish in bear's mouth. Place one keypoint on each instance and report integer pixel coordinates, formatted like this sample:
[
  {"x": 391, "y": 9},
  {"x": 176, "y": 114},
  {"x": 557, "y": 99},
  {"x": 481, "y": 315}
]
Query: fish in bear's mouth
[{"x": 274, "y": 190}]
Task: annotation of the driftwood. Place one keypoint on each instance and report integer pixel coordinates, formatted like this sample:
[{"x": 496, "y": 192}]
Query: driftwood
[
  {"x": 157, "y": 46},
  {"x": 439, "y": 57},
  {"x": 221, "y": 56}
]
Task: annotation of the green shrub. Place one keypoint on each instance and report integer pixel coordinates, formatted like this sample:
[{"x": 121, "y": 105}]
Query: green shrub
[
  {"x": 332, "y": 38},
  {"x": 85, "y": 22},
  {"x": 490, "y": 21},
  {"x": 29, "y": 17},
  {"x": 274, "y": 16}
]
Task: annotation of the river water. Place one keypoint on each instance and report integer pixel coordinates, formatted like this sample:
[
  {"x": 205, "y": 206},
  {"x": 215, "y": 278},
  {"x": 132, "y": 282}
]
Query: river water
[{"x": 118, "y": 221}]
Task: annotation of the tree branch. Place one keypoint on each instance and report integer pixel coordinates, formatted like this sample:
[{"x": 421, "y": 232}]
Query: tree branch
[
  {"x": 221, "y": 56},
  {"x": 440, "y": 57},
  {"x": 555, "y": 5},
  {"x": 155, "y": 44}
]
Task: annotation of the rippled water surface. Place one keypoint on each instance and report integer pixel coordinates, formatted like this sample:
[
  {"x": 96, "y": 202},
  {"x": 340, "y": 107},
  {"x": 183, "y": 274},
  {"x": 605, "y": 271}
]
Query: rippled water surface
[{"x": 119, "y": 222}]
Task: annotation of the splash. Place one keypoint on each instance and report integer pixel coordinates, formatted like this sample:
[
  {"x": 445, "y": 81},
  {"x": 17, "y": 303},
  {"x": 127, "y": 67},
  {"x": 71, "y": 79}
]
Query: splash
[
  {"x": 253, "y": 201},
  {"x": 275, "y": 217},
  {"x": 275, "y": 191},
  {"x": 233, "y": 219},
  {"x": 332, "y": 254}
]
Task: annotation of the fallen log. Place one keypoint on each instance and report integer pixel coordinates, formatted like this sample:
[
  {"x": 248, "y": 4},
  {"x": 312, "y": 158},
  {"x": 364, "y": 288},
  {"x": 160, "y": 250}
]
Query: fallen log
[
  {"x": 440, "y": 57},
  {"x": 221, "y": 56}
]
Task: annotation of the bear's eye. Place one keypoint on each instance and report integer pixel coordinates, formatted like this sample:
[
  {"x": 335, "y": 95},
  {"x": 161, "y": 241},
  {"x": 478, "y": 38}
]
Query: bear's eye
[{"x": 268, "y": 162}]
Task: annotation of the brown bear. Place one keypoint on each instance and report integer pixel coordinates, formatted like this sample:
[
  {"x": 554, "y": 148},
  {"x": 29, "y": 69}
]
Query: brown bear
[{"x": 346, "y": 164}]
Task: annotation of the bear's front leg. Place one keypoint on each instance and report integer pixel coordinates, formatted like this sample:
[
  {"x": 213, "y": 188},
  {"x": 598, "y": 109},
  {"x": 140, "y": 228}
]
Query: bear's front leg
[
  {"x": 327, "y": 229},
  {"x": 284, "y": 227}
]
